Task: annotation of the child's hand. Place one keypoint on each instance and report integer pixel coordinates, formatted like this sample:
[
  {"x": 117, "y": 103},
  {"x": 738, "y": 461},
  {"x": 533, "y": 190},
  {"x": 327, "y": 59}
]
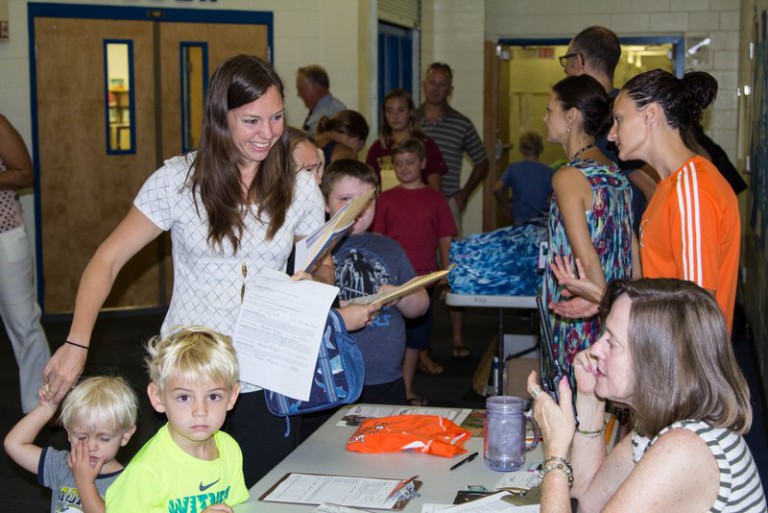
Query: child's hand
[
  {"x": 386, "y": 288},
  {"x": 79, "y": 461},
  {"x": 218, "y": 508},
  {"x": 301, "y": 275},
  {"x": 357, "y": 317}
]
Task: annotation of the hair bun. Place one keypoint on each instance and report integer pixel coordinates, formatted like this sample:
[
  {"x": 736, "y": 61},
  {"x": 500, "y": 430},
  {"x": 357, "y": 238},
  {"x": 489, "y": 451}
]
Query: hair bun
[
  {"x": 697, "y": 92},
  {"x": 699, "y": 88}
]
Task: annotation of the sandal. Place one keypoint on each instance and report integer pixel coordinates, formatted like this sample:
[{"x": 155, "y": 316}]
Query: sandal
[
  {"x": 431, "y": 368},
  {"x": 461, "y": 352},
  {"x": 417, "y": 401}
]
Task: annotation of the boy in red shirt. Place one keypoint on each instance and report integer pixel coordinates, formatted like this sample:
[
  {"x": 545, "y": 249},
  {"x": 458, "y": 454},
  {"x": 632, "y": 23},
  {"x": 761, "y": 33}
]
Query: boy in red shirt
[{"x": 420, "y": 219}]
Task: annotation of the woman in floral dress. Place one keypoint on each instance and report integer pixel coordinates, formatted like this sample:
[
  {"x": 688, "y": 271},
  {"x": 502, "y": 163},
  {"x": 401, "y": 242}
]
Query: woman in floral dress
[{"x": 590, "y": 213}]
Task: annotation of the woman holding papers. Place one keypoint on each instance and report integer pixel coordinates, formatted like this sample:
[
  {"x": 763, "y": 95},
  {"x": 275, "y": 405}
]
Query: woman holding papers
[
  {"x": 233, "y": 209},
  {"x": 666, "y": 354}
]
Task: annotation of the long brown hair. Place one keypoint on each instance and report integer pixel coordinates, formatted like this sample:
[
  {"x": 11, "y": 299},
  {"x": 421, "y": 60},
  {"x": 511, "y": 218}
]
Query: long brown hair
[
  {"x": 683, "y": 361},
  {"x": 215, "y": 171}
]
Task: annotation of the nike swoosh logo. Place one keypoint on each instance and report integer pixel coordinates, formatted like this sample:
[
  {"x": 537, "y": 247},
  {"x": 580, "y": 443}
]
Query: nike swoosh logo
[{"x": 205, "y": 487}]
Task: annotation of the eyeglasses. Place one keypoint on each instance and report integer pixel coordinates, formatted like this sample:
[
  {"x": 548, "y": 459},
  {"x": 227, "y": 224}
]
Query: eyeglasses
[{"x": 564, "y": 58}]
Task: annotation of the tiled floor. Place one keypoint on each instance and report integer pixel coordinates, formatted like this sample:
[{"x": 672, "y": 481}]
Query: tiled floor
[{"x": 118, "y": 349}]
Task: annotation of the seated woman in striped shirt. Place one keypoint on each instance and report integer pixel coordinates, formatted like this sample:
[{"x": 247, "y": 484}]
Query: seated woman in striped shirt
[{"x": 666, "y": 354}]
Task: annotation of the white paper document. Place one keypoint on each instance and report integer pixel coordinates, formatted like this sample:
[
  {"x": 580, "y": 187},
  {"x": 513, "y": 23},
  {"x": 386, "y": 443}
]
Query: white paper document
[
  {"x": 279, "y": 330},
  {"x": 521, "y": 480},
  {"x": 363, "y": 492}
]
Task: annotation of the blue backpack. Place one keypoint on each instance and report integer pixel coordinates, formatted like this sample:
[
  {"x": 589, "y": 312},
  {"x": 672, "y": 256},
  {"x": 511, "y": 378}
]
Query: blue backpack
[{"x": 339, "y": 374}]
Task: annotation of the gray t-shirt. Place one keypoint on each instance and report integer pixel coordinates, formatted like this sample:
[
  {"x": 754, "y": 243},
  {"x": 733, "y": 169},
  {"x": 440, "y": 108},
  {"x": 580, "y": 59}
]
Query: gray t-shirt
[
  {"x": 54, "y": 473},
  {"x": 363, "y": 263}
]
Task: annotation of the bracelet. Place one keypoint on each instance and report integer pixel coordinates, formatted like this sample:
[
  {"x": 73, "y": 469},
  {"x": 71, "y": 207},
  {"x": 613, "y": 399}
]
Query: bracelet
[
  {"x": 593, "y": 434},
  {"x": 81, "y": 346},
  {"x": 557, "y": 463}
]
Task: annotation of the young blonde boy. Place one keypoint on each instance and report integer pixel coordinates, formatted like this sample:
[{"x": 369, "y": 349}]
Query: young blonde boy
[
  {"x": 99, "y": 415},
  {"x": 189, "y": 465}
]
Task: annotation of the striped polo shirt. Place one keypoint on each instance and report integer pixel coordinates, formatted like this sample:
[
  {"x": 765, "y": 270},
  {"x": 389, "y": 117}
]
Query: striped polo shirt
[{"x": 455, "y": 135}]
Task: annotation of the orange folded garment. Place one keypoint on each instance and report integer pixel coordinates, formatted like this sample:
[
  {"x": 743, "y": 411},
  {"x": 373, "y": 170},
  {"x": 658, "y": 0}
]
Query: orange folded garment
[{"x": 429, "y": 434}]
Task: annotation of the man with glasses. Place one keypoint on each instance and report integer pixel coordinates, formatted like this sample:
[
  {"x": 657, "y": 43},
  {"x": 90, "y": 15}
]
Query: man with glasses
[
  {"x": 595, "y": 51},
  {"x": 455, "y": 135}
]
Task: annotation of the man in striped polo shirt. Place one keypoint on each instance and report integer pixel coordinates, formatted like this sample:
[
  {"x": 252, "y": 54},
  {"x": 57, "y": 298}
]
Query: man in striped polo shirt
[{"x": 455, "y": 135}]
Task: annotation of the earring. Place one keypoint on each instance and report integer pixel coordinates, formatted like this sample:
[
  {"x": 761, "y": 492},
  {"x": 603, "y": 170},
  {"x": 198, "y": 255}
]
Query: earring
[{"x": 568, "y": 128}]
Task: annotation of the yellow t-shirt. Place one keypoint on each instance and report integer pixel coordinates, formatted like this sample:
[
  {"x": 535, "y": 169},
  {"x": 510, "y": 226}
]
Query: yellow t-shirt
[{"x": 164, "y": 478}]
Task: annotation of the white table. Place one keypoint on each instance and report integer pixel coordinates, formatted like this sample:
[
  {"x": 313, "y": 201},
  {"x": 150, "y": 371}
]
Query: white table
[
  {"x": 502, "y": 303},
  {"x": 324, "y": 453}
]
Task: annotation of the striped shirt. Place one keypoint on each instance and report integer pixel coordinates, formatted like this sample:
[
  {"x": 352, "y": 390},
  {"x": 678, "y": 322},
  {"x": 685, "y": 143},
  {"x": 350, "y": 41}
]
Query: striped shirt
[
  {"x": 455, "y": 135},
  {"x": 691, "y": 231},
  {"x": 740, "y": 488}
]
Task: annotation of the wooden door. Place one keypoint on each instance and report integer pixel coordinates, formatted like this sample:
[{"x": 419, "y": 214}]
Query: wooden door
[
  {"x": 84, "y": 190},
  {"x": 220, "y": 42}
]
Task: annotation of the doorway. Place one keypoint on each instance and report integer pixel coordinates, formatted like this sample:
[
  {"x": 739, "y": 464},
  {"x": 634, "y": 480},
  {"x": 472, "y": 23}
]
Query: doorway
[
  {"x": 526, "y": 71},
  {"x": 115, "y": 91}
]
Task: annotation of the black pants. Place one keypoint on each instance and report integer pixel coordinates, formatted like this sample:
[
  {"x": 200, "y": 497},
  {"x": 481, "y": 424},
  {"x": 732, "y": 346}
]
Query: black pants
[
  {"x": 265, "y": 439},
  {"x": 385, "y": 393}
]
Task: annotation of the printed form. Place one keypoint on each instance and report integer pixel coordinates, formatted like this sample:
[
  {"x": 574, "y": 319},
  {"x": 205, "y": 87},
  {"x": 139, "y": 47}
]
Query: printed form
[{"x": 279, "y": 331}]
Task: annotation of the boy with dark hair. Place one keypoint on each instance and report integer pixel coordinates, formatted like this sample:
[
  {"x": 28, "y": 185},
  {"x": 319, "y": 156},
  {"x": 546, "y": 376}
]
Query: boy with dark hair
[{"x": 366, "y": 263}]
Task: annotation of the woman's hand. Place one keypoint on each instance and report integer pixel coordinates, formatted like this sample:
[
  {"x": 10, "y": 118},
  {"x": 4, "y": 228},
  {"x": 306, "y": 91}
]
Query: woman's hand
[
  {"x": 585, "y": 370},
  {"x": 575, "y": 308},
  {"x": 576, "y": 283},
  {"x": 61, "y": 372},
  {"x": 556, "y": 421}
]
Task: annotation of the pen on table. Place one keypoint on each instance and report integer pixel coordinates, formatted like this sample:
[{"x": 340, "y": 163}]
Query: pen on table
[
  {"x": 465, "y": 460},
  {"x": 400, "y": 485}
]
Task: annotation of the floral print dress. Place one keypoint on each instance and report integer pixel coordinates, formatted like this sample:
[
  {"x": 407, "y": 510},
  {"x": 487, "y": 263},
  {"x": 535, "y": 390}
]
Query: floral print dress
[{"x": 610, "y": 228}]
